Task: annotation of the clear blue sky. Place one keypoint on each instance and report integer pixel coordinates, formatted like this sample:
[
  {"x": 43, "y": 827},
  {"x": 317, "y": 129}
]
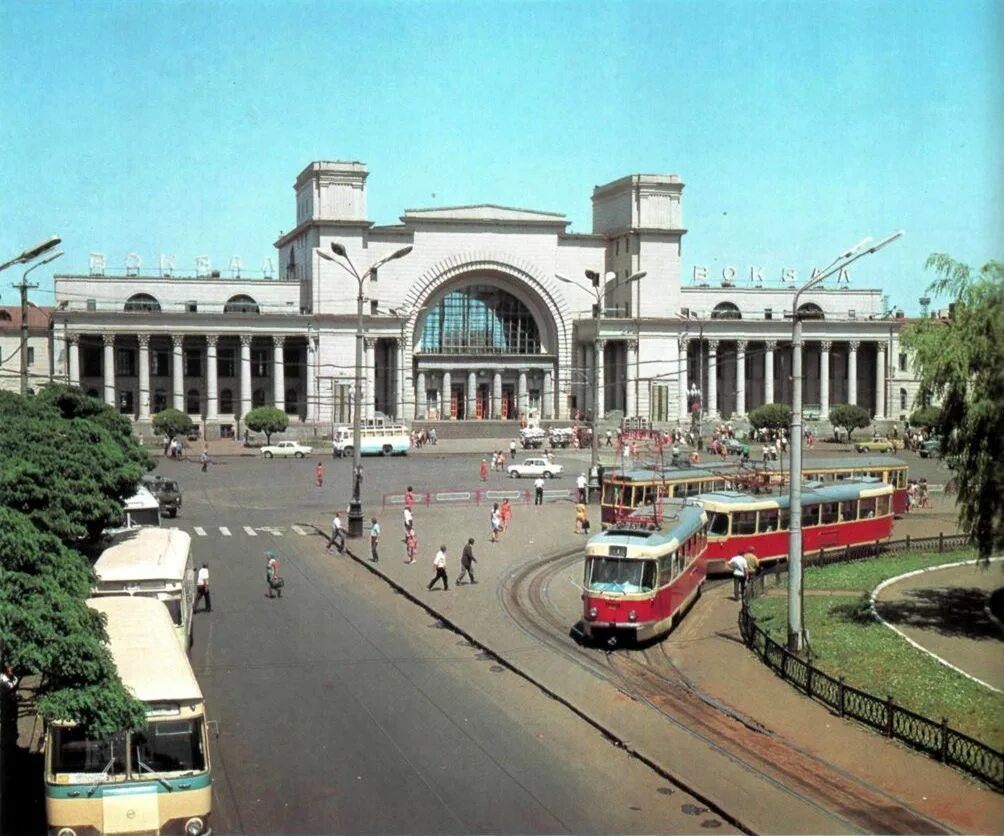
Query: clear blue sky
[{"x": 798, "y": 128}]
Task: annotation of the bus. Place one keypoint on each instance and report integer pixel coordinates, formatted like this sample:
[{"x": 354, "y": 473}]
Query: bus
[
  {"x": 834, "y": 516},
  {"x": 376, "y": 438},
  {"x": 154, "y": 563},
  {"x": 639, "y": 580},
  {"x": 154, "y": 780}
]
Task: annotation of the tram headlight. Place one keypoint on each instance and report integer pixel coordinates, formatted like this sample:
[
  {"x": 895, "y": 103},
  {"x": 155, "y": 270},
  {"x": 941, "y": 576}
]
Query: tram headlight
[
  {"x": 66, "y": 831},
  {"x": 593, "y": 612},
  {"x": 195, "y": 827},
  {"x": 632, "y": 616}
]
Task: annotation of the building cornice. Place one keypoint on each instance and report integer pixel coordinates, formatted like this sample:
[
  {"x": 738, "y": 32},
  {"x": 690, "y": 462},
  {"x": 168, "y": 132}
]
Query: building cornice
[{"x": 298, "y": 230}]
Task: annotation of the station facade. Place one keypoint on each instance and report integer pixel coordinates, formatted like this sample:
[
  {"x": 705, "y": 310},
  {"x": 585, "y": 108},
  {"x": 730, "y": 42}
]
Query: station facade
[{"x": 491, "y": 315}]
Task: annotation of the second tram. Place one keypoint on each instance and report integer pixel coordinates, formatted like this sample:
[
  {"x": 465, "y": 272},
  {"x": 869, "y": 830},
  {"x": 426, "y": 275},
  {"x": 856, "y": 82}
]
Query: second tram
[{"x": 639, "y": 580}]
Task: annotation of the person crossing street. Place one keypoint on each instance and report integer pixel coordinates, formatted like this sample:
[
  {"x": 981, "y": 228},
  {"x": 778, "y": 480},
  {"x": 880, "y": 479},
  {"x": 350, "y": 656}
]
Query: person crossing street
[
  {"x": 439, "y": 562},
  {"x": 467, "y": 561}
]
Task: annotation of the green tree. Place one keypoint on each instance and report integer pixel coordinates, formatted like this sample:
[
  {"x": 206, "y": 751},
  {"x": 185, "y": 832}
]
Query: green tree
[
  {"x": 926, "y": 416},
  {"x": 773, "y": 416},
  {"x": 172, "y": 423},
  {"x": 268, "y": 420},
  {"x": 961, "y": 363},
  {"x": 850, "y": 416}
]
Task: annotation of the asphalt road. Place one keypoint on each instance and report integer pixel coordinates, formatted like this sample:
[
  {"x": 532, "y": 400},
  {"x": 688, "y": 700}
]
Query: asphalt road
[{"x": 344, "y": 708}]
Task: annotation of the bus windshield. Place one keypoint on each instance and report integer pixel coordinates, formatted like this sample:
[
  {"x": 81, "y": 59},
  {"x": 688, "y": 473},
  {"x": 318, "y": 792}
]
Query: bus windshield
[
  {"x": 168, "y": 746},
  {"x": 72, "y": 751},
  {"x": 612, "y": 574}
]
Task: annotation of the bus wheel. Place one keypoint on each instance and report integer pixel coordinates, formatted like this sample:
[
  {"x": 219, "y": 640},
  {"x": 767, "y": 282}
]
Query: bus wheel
[
  {"x": 387, "y": 449},
  {"x": 346, "y": 452}
]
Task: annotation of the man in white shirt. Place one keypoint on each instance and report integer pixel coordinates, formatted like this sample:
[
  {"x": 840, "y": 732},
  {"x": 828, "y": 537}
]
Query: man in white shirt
[
  {"x": 337, "y": 533},
  {"x": 439, "y": 562},
  {"x": 409, "y": 519},
  {"x": 202, "y": 589},
  {"x": 740, "y": 570},
  {"x": 538, "y": 491},
  {"x": 581, "y": 483}
]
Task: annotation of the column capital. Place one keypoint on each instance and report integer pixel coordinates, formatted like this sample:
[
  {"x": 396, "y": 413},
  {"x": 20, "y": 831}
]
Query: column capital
[
  {"x": 632, "y": 345},
  {"x": 212, "y": 339},
  {"x": 246, "y": 340},
  {"x": 771, "y": 345},
  {"x": 880, "y": 346},
  {"x": 600, "y": 344},
  {"x": 143, "y": 340},
  {"x": 713, "y": 346},
  {"x": 684, "y": 340},
  {"x": 278, "y": 341},
  {"x": 741, "y": 345},
  {"x": 825, "y": 345},
  {"x": 178, "y": 340},
  {"x": 854, "y": 345},
  {"x": 73, "y": 339},
  {"x": 369, "y": 342},
  {"x": 108, "y": 339}
]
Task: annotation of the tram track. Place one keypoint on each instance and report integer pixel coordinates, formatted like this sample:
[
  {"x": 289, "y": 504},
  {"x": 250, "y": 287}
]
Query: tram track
[{"x": 649, "y": 676}]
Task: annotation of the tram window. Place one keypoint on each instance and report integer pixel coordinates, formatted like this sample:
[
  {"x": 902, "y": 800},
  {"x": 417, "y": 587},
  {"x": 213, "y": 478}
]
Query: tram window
[
  {"x": 744, "y": 522},
  {"x": 810, "y": 516},
  {"x": 830, "y": 513},
  {"x": 783, "y": 519},
  {"x": 882, "y": 504},
  {"x": 866, "y": 507},
  {"x": 900, "y": 479},
  {"x": 767, "y": 520},
  {"x": 849, "y": 509},
  {"x": 665, "y": 569},
  {"x": 677, "y": 563},
  {"x": 611, "y": 574},
  {"x": 718, "y": 524},
  {"x": 843, "y": 475}
]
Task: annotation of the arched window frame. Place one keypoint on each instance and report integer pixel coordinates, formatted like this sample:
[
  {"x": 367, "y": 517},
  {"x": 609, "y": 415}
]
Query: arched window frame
[
  {"x": 241, "y": 304},
  {"x": 226, "y": 401},
  {"x": 480, "y": 319},
  {"x": 258, "y": 397},
  {"x": 810, "y": 310},
  {"x": 292, "y": 401},
  {"x": 726, "y": 310},
  {"x": 193, "y": 401},
  {"x": 142, "y": 302}
]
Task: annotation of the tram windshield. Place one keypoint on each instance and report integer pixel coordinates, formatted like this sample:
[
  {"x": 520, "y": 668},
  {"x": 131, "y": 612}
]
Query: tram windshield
[{"x": 612, "y": 574}]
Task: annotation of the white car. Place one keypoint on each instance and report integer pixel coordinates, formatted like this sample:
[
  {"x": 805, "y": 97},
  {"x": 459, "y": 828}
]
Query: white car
[
  {"x": 534, "y": 467},
  {"x": 286, "y": 448}
]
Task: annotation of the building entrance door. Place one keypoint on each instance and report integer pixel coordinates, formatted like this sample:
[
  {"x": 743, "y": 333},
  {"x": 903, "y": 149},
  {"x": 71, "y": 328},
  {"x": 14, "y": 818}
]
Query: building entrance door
[
  {"x": 457, "y": 401},
  {"x": 484, "y": 400},
  {"x": 508, "y": 402}
]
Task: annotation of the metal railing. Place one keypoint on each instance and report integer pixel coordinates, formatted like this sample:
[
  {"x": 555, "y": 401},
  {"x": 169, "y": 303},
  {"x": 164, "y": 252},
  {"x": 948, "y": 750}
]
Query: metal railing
[
  {"x": 482, "y": 496},
  {"x": 939, "y": 740}
]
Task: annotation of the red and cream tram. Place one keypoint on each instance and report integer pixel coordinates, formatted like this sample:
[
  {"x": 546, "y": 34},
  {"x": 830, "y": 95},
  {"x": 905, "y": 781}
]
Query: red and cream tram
[
  {"x": 638, "y": 580},
  {"x": 834, "y": 516}
]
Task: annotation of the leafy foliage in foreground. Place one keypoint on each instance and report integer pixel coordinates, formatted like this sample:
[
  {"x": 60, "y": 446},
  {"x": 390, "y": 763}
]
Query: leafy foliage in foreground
[
  {"x": 961, "y": 362},
  {"x": 268, "y": 420}
]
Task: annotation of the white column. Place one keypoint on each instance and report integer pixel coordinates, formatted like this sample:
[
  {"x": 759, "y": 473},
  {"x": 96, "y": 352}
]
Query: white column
[
  {"x": 178, "y": 374},
  {"x": 631, "y": 392},
  {"x": 74, "y": 358},
  {"x": 547, "y": 405},
  {"x": 712, "y": 410},
  {"x": 741, "y": 377},
  {"x": 212, "y": 383},
  {"x": 313, "y": 408},
  {"x": 824, "y": 379},
  {"x": 420, "y": 395},
  {"x": 600, "y": 378},
  {"x": 369, "y": 379},
  {"x": 445, "y": 396},
  {"x": 582, "y": 377},
  {"x": 497, "y": 395},
  {"x": 399, "y": 400},
  {"x": 768, "y": 372},
  {"x": 144, "y": 376},
  {"x": 109, "y": 369},
  {"x": 279, "y": 373},
  {"x": 852, "y": 371},
  {"x": 245, "y": 374},
  {"x": 880, "y": 380},
  {"x": 681, "y": 381},
  {"x": 472, "y": 395},
  {"x": 522, "y": 405},
  {"x": 589, "y": 352}
]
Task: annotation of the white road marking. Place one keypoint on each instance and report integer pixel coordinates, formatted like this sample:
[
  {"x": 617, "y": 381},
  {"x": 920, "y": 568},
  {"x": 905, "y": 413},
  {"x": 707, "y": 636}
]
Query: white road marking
[
  {"x": 250, "y": 531},
  {"x": 224, "y": 531},
  {"x": 300, "y": 530},
  {"x": 268, "y": 529},
  {"x": 200, "y": 531}
]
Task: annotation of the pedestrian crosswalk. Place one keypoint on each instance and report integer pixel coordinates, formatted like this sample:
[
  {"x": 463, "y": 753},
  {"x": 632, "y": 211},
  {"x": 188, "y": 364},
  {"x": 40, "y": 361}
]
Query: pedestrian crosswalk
[{"x": 250, "y": 531}]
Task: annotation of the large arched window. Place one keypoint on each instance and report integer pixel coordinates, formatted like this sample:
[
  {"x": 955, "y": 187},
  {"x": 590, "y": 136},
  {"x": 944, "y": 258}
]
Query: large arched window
[
  {"x": 193, "y": 402},
  {"x": 226, "y": 401},
  {"x": 241, "y": 303},
  {"x": 810, "y": 310},
  {"x": 292, "y": 401},
  {"x": 480, "y": 319},
  {"x": 258, "y": 397},
  {"x": 726, "y": 310},
  {"x": 142, "y": 302}
]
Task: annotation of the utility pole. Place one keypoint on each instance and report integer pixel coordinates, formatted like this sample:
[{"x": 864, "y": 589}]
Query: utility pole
[{"x": 24, "y": 287}]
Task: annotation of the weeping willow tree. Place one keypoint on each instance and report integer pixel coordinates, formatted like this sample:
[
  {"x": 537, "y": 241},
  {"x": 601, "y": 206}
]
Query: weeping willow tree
[{"x": 960, "y": 361}]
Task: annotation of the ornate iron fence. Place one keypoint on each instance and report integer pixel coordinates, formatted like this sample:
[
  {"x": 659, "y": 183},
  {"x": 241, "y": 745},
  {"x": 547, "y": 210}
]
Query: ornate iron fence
[{"x": 937, "y": 739}]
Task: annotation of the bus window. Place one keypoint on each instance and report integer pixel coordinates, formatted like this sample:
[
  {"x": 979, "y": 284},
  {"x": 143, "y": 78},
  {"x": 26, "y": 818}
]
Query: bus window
[
  {"x": 718, "y": 524},
  {"x": 783, "y": 519},
  {"x": 848, "y": 509},
  {"x": 169, "y": 746},
  {"x": 744, "y": 522},
  {"x": 882, "y": 505},
  {"x": 767, "y": 521},
  {"x": 830, "y": 513},
  {"x": 810, "y": 515},
  {"x": 866, "y": 507},
  {"x": 72, "y": 751}
]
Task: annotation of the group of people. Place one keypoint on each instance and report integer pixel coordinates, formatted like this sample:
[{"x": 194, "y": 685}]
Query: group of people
[
  {"x": 467, "y": 561},
  {"x": 499, "y": 521},
  {"x": 918, "y": 494},
  {"x": 419, "y": 438},
  {"x": 745, "y": 567}
]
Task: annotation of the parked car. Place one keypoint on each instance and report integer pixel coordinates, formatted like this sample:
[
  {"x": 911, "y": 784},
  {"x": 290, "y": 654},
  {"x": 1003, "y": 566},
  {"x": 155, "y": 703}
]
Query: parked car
[
  {"x": 287, "y": 449},
  {"x": 931, "y": 448},
  {"x": 877, "y": 445},
  {"x": 534, "y": 467},
  {"x": 733, "y": 446},
  {"x": 166, "y": 492}
]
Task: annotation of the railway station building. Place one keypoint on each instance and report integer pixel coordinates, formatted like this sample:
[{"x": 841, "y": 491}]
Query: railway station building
[{"x": 491, "y": 315}]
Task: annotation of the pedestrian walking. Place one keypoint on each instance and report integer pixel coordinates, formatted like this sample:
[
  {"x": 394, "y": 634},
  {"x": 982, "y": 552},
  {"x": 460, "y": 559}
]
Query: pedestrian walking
[
  {"x": 272, "y": 580},
  {"x": 506, "y": 513},
  {"x": 484, "y": 470},
  {"x": 320, "y": 475},
  {"x": 374, "y": 540},
  {"x": 581, "y": 519},
  {"x": 581, "y": 484},
  {"x": 467, "y": 561},
  {"x": 610, "y": 438},
  {"x": 411, "y": 545},
  {"x": 409, "y": 520},
  {"x": 740, "y": 571},
  {"x": 439, "y": 563},
  {"x": 204, "y": 459},
  {"x": 409, "y": 499},
  {"x": 752, "y": 566},
  {"x": 202, "y": 589},
  {"x": 337, "y": 533},
  {"x": 512, "y": 450},
  {"x": 495, "y": 524},
  {"x": 538, "y": 491}
]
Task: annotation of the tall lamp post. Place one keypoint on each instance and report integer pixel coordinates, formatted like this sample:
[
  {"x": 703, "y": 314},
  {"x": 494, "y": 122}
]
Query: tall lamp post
[
  {"x": 700, "y": 366},
  {"x": 343, "y": 261},
  {"x": 796, "y": 631},
  {"x": 596, "y": 288},
  {"x": 32, "y": 253},
  {"x": 24, "y": 287}
]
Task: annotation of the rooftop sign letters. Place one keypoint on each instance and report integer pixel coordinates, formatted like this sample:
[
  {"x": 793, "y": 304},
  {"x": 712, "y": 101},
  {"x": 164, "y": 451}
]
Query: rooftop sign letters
[{"x": 789, "y": 276}]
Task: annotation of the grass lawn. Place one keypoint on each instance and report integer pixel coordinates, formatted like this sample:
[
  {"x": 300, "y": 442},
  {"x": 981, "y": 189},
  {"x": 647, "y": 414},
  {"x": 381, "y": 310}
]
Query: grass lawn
[{"x": 848, "y": 642}]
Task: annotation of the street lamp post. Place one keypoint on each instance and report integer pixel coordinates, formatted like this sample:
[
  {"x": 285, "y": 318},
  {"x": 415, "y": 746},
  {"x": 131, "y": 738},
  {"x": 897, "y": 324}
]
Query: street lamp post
[
  {"x": 32, "y": 253},
  {"x": 796, "y": 631},
  {"x": 343, "y": 261},
  {"x": 700, "y": 367},
  {"x": 24, "y": 287},
  {"x": 597, "y": 289}
]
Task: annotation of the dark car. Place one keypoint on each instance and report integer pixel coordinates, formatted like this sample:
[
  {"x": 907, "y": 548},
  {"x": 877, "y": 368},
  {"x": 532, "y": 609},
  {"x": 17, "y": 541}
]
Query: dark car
[
  {"x": 931, "y": 448},
  {"x": 168, "y": 494}
]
